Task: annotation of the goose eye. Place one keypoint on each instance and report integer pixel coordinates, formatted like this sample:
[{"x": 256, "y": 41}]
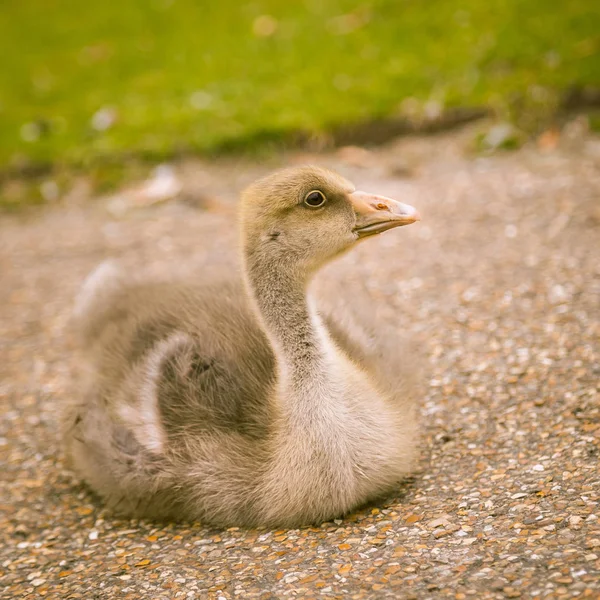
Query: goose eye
[{"x": 315, "y": 199}]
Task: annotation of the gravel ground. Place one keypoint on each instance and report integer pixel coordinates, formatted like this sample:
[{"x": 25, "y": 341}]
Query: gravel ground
[{"x": 499, "y": 284}]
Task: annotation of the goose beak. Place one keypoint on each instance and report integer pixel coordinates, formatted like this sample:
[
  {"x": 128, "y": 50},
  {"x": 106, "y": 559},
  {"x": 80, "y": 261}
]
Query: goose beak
[{"x": 375, "y": 214}]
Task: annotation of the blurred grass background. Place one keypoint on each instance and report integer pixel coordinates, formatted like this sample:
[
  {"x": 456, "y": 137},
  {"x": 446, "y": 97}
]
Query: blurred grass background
[{"x": 152, "y": 78}]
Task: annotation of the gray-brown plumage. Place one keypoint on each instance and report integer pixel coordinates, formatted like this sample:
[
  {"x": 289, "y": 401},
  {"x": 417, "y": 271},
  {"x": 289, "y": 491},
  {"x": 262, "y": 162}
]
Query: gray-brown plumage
[{"x": 235, "y": 402}]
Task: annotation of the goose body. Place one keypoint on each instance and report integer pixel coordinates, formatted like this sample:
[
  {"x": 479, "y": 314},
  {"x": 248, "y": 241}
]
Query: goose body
[{"x": 236, "y": 402}]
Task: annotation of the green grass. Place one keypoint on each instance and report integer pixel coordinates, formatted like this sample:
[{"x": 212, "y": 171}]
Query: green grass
[{"x": 188, "y": 75}]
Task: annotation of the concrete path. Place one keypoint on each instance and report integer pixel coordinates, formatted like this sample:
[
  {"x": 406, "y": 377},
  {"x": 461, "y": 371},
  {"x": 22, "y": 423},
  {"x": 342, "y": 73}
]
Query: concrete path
[{"x": 499, "y": 285}]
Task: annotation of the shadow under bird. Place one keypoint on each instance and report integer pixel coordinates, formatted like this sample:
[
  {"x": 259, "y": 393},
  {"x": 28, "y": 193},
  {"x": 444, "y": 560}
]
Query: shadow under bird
[{"x": 239, "y": 401}]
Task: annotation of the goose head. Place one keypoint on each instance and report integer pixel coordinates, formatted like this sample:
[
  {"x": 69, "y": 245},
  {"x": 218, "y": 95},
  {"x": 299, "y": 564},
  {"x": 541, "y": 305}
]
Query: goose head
[{"x": 304, "y": 217}]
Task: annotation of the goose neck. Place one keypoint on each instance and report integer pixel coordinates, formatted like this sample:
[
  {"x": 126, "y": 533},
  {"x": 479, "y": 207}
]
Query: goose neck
[{"x": 289, "y": 319}]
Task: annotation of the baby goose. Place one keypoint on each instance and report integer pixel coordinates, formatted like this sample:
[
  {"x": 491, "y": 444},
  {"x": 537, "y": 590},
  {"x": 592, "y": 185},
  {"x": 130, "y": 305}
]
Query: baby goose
[{"x": 235, "y": 402}]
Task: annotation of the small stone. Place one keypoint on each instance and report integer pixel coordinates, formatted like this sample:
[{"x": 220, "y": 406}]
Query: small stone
[
  {"x": 559, "y": 294},
  {"x": 438, "y": 533},
  {"x": 84, "y": 510},
  {"x": 440, "y": 521},
  {"x": 412, "y": 518},
  {"x": 500, "y": 135},
  {"x": 37, "y": 582},
  {"x": 143, "y": 563}
]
